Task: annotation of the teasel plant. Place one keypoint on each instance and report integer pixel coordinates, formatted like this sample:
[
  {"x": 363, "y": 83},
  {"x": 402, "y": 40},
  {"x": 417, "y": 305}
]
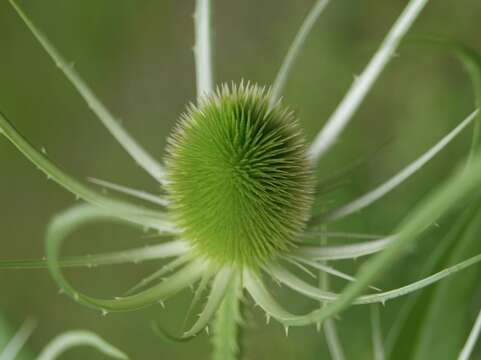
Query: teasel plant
[{"x": 238, "y": 184}]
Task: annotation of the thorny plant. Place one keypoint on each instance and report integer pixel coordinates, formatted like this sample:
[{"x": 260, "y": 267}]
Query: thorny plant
[{"x": 237, "y": 190}]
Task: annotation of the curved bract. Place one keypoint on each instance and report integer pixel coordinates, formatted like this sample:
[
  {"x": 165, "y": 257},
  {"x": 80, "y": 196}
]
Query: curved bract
[
  {"x": 75, "y": 338},
  {"x": 66, "y": 223}
]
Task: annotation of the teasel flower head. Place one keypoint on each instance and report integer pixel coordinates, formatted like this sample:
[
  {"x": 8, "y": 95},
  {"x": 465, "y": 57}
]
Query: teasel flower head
[
  {"x": 237, "y": 192},
  {"x": 238, "y": 177}
]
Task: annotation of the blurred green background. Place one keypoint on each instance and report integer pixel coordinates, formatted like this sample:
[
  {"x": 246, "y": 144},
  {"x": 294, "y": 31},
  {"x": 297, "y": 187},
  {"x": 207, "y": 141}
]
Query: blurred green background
[{"x": 137, "y": 56}]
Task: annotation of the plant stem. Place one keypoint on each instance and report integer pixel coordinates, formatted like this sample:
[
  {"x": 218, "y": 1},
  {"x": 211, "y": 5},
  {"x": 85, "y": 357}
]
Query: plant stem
[
  {"x": 329, "y": 327},
  {"x": 378, "y": 346},
  {"x": 226, "y": 332}
]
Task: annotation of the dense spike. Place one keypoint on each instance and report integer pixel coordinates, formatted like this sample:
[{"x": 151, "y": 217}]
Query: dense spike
[{"x": 238, "y": 176}]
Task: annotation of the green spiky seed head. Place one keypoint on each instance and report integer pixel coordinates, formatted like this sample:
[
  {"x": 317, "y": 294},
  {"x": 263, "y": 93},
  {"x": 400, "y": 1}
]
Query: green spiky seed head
[{"x": 239, "y": 178}]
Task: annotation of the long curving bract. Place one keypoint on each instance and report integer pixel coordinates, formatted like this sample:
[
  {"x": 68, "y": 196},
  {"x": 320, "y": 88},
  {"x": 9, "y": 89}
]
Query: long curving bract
[
  {"x": 132, "y": 147},
  {"x": 66, "y": 223}
]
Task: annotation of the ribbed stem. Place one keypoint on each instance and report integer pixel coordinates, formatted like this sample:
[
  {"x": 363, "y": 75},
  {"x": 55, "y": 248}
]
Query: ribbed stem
[{"x": 227, "y": 323}]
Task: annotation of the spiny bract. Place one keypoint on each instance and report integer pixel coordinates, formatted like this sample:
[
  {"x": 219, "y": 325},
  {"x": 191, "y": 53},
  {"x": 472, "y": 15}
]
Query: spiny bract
[{"x": 239, "y": 177}]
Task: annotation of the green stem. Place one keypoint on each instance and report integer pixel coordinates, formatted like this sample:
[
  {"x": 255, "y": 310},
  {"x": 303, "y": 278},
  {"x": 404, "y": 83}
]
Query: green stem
[
  {"x": 329, "y": 327},
  {"x": 226, "y": 325}
]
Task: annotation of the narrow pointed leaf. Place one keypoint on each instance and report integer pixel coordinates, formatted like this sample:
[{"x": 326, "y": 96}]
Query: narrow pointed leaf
[
  {"x": 330, "y": 270},
  {"x": 473, "y": 337},
  {"x": 219, "y": 288},
  {"x": 383, "y": 189},
  {"x": 172, "y": 266},
  {"x": 146, "y": 253},
  {"x": 258, "y": 291},
  {"x": 134, "y": 213},
  {"x": 75, "y": 338},
  {"x": 144, "y": 159},
  {"x": 359, "y": 89},
  {"x": 18, "y": 341},
  {"x": 445, "y": 304},
  {"x": 132, "y": 192},
  {"x": 405, "y": 328},
  {"x": 339, "y": 252},
  {"x": 295, "y": 49},
  {"x": 65, "y": 224}
]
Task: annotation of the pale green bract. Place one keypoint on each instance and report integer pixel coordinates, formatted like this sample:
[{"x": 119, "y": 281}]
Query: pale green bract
[
  {"x": 238, "y": 188},
  {"x": 59, "y": 345}
]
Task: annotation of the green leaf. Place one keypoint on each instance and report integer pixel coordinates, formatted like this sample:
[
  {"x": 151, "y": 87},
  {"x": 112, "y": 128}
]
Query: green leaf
[
  {"x": 70, "y": 339},
  {"x": 12, "y": 344},
  {"x": 137, "y": 255},
  {"x": 406, "y": 326},
  {"x": 449, "y": 304},
  {"x": 421, "y": 327},
  {"x": 142, "y": 157},
  {"x": 66, "y": 223},
  {"x": 456, "y": 189},
  {"x": 295, "y": 49},
  {"x": 122, "y": 209},
  {"x": 5, "y": 331},
  {"x": 470, "y": 60}
]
